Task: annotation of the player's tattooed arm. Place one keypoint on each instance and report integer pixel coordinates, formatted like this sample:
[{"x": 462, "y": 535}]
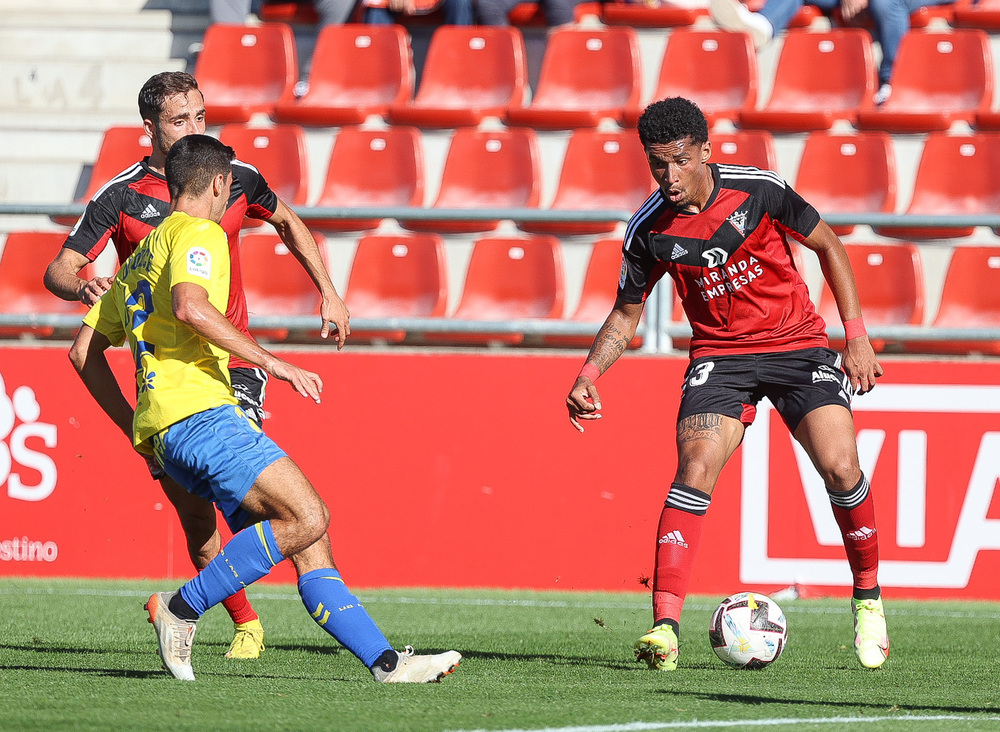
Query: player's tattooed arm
[
  {"x": 610, "y": 343},
  {"x": 615, "y": 335},
  {"x": 583, "y": 402}
]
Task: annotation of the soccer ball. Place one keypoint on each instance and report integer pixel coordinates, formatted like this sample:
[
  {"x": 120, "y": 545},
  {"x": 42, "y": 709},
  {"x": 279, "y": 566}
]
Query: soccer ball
[{"x": 748, "y": 630}]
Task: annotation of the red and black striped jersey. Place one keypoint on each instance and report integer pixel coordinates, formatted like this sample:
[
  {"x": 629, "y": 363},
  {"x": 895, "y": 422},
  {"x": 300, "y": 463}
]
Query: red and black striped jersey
[
  {"x": 134, "y": 202},
  {"x": 731, "y": 263}
]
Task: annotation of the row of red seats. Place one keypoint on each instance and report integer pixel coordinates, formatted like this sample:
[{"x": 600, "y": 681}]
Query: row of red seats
[
  {"x": 983, "y": 14},
  {"x": 601, "y": 170},
  {"x": 521, "y": 278},
  {"x": 588, "y": 75}
]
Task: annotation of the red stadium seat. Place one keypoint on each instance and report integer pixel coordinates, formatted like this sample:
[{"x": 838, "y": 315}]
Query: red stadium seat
[
  {"x": 865, "y": 180},
  {"x": 983, "y": 14},
  {"x": 938, "y": 79},
  {"x": 486, "y": 169},
  {"x": 533, "y": 14},
  {"x": 243, "y": 70},
  {"x": 717, "y": 70},
  {"x": 956, "y": 175},
  {"x": 821, "y": 78},
  {"x": 23, "y": 260},
  {"x": 279, "y": 153},
  {"x": 372, "y": 168},
  {"x": 397, "y": 277},
  {"x": 601, "y": 170},
  {"x": 276, "y": 284},
  {"x": 357, "y": 70},
  {"x": 970, "y": 298},
  {"x": 745, "y": 147},
  {"x": 600, "y": 287},
  {"x": 509, "y": 279},
  {"x": 890, "y": 280},
  {"x": 471, "y": 72},
  {"x": 587, "y": 75},
  {"x": 121, "y": 148},
  {"x": 639, "y": 15},
  {"x": 302, "y": 12}
]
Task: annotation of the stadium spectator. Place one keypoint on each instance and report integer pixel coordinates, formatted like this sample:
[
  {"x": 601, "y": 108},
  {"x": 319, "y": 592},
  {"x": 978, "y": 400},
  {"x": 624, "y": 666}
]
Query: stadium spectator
[
  {"x": 128, "y": 208},
  {"x": 720, "y": 232},
  {"x": 890, "y": 20},
  {"x": 168, "y": 302},
  {"x": 495, "y": 12}
]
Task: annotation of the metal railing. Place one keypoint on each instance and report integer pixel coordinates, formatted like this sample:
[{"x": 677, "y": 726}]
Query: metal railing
[{"x": 658, "y": 330}]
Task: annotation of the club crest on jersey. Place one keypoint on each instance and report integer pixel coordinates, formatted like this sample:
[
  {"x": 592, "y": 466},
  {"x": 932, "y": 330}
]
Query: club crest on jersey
[
  {"x": 739, "y": 221},
  {"x": 199, "y": 263}
]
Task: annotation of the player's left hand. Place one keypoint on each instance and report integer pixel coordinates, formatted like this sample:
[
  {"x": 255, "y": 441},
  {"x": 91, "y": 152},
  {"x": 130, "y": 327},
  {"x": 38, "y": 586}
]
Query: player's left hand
[
  {"x": 334, "y": 310},
  {"x": 860, "y": 364},
  {"x": 304, "y": 382}
]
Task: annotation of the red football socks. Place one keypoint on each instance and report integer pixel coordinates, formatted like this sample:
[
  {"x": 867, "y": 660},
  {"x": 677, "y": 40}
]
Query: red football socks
[
  {"x": 677, "y": 540},
  {"x": 855, "y": 514}
]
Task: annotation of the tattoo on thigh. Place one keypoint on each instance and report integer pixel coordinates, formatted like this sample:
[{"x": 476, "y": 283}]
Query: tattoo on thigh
[{"x": 700, "y": 427}]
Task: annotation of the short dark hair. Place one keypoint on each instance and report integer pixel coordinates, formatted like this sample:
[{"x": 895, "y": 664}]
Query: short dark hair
[
  {"x": 194, "y": 161},
  {"x": 155, "y": 91},
  {"x": 671, "y": 120}
]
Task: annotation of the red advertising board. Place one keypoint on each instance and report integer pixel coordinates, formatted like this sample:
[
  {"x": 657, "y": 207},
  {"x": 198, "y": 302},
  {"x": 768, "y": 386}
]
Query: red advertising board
[{"x": 461, "y": 470}]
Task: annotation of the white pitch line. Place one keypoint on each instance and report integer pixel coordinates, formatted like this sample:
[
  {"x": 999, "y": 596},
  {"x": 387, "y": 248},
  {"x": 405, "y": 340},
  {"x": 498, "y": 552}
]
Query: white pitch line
[
  {"x": 747, "y": 723},
  {"x": 374, "y": 596}
]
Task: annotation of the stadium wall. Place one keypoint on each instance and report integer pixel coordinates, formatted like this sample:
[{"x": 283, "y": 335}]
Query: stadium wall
[{"x": 460, "y": 469}]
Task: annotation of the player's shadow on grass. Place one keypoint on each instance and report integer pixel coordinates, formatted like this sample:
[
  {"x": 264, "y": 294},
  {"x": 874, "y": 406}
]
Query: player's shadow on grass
[
  {"x": 555, "y": 659},
  {"x": 753, "y": 699}
]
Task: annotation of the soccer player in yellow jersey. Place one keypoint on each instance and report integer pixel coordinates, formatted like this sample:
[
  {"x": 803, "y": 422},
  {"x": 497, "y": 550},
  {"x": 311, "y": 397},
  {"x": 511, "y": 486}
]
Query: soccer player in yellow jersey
[{"x": 168, "y": 300}]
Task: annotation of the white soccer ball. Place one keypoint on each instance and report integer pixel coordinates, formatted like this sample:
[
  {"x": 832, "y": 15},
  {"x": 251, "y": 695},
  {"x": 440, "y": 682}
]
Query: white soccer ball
[{"x": 748, "y": 630}]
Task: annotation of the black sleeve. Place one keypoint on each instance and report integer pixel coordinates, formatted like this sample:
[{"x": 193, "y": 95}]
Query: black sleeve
[
  {"x": 636, "y": 279},
  {"x": 97, "y": 225},
  {"x": 794, "y": 214},
  {"x": 262, "y": 202}
]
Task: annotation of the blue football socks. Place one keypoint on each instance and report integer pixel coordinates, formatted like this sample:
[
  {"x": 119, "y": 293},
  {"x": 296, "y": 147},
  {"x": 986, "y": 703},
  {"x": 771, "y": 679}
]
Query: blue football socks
[
  {"x": 337, "y": 611},
  {"x": 247, "y": 557}
]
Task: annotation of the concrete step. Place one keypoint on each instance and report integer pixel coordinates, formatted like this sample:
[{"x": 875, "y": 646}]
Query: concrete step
[
  {"x": 34, "y": 181},
  {"x": 102, "y": 6},
  {"x": 75, "y": 18},
  {"x": 55, "y": 85},
  {"x": 84, "y": 43},
  {"x": 76, "y": 147}
]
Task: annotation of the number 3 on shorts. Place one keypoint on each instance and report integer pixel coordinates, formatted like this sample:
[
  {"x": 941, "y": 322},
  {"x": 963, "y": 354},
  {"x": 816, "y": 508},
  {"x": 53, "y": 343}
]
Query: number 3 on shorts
[{"x": 701, "y": 373}]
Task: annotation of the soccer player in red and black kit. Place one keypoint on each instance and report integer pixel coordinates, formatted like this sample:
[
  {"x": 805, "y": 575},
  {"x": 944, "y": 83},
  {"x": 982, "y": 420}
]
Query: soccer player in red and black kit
[
  {"x": 124, "y": 211},
  {"x": 721, "y": 232}
]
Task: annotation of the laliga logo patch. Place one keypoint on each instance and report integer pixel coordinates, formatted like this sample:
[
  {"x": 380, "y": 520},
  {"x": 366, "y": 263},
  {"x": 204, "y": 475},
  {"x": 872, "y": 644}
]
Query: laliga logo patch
[
  {"x": 739, "y": 222},
  {"x": 623, "y": 275},
  {"x": 199, "y": 263}
]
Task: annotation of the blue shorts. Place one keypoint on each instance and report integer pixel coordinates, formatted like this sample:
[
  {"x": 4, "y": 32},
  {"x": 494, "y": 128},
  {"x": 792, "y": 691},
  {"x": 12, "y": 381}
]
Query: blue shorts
[{"x": 218, "y": 455}]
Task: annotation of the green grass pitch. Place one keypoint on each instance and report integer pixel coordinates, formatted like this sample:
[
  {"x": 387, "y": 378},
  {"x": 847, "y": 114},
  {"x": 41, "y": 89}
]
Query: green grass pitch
[{"x": 80, "y": 655}]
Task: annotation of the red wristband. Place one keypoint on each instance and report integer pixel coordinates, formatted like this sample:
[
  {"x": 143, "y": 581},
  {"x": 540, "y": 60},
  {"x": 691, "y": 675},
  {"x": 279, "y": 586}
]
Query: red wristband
[
  {"x": 590, "y": 371},
  {"x": 854, "y": 328}
]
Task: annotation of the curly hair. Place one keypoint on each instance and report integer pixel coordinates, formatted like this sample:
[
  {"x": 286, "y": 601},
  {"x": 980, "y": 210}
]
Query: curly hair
[{"x": 670, "y": 120}]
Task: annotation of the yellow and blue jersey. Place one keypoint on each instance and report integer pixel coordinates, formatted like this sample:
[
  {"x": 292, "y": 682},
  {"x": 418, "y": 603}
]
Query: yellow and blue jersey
[{"x": 178, "y": 373}]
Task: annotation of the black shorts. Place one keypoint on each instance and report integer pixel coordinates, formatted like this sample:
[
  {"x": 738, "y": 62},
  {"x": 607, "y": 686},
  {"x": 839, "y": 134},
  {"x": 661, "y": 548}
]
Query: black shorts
[
  {"x": 795, "y": 382},
  {"x": 248, "y": 386}
]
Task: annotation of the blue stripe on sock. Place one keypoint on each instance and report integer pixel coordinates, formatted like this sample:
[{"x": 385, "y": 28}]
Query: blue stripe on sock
[
  {"x": 337, "y": 611},
  {"x": 247, "y": 557}
]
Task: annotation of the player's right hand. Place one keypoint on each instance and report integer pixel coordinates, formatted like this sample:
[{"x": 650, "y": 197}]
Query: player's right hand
[
  {"x": 93, "y": 290},
  {"x": 583, "y": 402}
]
